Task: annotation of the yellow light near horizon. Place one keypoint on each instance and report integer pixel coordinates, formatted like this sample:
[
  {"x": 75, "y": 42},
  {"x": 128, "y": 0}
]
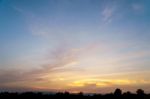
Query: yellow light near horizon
[
  {"x": 77, "y": 84},
  {"x": 103, "y": 82}
]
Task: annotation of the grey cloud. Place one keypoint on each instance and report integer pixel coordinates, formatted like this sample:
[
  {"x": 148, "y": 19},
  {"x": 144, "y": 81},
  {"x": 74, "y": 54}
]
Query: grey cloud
[{"x": 58, "y": 61}]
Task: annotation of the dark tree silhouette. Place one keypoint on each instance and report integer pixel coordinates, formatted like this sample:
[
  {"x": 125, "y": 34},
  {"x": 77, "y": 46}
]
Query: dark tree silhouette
[
  {"x": 80, "y": 93},
  {"x": 127, "y": 93},
  {"x": 66, "y": 95},
  {"x": 140, "y": 92},
  {"x": 118, "y": 92}
]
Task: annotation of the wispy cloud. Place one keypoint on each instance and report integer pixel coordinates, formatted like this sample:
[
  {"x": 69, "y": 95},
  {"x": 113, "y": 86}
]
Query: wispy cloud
[
  {"x": 36, "y": 25},
  {"x": 137, "y": 7},
  {"x": 108, "y": 82},
  {"x": 61, "y": 59},
  {"x": 105, "y": 85},
  {"x": 108, "y": 13},
  {"x": 18, "y": 9},
  {"x": 64, "y": 60}
]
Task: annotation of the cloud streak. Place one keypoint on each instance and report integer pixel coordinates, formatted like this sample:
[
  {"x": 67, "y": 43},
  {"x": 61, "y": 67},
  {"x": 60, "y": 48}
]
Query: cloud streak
[
  {"x": 59, "y": 60},
  {"x": 107, "y": 14}
]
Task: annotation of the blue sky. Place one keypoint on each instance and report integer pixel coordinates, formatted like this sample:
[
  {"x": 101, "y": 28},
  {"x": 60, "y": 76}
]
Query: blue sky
[{"x": 91, "y": 38}]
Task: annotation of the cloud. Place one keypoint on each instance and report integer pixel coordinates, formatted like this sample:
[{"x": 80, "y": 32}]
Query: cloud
[
  {"x": 36, "y": 25},
  {"x": 39, "y": 27},
  {"x": 62, "y": 59},
  {"x": 18, "y": 9},
  {"x": 7, "y": 76},
  {"x": 106, "y": 85},
  {"x": 108, "y": 13},
  {"x": 102, "y": 82},
  {"x": 92, "y": 88},
  {"x": 137, "y": 7}
]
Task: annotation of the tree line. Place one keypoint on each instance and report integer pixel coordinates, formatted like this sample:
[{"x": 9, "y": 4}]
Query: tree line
[{"x": 117, "y": 94}]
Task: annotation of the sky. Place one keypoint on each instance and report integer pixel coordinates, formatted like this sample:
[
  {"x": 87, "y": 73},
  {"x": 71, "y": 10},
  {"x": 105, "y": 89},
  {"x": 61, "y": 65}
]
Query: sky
[{"x": 94, "y": 46}]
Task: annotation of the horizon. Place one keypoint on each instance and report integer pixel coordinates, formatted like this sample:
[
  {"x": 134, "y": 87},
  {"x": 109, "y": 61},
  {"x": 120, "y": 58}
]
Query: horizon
[
  {"x": 57, "y": 93},
  {"x": 90, "y": 46},
  {"x": 65, "y": 91}
]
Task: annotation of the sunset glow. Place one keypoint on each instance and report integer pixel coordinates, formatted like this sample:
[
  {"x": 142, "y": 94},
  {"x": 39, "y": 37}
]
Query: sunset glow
[{"x": 74, "y": 45}]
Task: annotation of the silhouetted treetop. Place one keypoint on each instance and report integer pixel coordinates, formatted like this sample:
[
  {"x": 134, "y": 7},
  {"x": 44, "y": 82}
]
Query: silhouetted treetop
[
  {"x": 118, "y": 92},
  {"x": 60, "y": 95},
  {"x": 140, "y": 92}
]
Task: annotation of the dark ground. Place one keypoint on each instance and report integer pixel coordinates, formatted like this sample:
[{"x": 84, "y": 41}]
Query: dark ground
[{"x": 66, "y": 95}]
